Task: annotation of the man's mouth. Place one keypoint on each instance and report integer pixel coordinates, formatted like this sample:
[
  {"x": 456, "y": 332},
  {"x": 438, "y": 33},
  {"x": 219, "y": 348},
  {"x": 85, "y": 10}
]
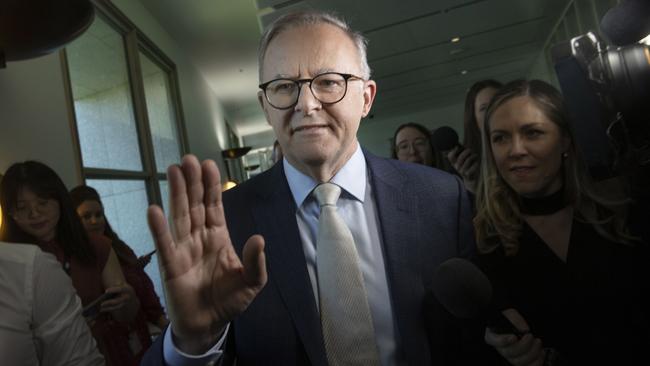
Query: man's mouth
[{"x": 307, "y": 128}]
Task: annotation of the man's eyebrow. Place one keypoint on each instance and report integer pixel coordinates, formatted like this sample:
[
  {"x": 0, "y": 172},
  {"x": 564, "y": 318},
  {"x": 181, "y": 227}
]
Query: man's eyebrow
[
  {"x": 323, "y": 71},
  {"x": 294, "y": 77}
]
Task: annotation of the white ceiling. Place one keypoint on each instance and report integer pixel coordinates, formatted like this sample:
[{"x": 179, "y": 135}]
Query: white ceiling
[{"x": 414, "y": 62}]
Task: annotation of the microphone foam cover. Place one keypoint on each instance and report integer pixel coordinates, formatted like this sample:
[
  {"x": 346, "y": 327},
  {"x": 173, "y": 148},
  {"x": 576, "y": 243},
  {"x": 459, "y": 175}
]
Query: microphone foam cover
[
  {"x": 445, "y": 138},
  {"x": 627, "y": 23},
  {"x": 462, "y": 288}
]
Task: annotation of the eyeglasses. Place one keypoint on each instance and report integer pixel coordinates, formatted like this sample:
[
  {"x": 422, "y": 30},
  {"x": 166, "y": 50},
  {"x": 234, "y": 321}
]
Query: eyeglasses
[
  {"x": 418, "y": 144},
  {"x": 327, "y": 88},
  {"x": 24, "y": 210}
]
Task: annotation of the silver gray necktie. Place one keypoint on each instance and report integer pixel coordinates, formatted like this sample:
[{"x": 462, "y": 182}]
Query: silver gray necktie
[{"x": 347, "y": 325}]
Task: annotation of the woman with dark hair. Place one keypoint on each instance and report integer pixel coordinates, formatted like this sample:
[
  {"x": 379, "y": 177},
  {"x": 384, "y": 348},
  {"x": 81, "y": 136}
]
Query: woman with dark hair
[
  {"x": 38, "y": 210},
  {"x": 412, "y": 142},
  {"x": 466, "y": 161},
  {"x": 565, "y": 269},
  {"x": 89, "y": 207}
]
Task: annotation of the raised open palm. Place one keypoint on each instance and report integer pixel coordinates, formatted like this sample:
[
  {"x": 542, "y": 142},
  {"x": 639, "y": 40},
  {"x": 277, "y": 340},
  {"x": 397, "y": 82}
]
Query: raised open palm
[{"x": 206, "y": 283}]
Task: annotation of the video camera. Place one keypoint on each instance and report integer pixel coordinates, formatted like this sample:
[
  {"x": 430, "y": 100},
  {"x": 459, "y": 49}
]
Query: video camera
[{"x": 607, "y": 91}]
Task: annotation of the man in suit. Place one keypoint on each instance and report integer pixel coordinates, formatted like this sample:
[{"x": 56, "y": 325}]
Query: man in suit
[{"x": 265, "y": 308}]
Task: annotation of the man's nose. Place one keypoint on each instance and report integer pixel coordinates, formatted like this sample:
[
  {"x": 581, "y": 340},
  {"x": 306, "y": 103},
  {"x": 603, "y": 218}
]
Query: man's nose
[{"x": 306, "y": 99}]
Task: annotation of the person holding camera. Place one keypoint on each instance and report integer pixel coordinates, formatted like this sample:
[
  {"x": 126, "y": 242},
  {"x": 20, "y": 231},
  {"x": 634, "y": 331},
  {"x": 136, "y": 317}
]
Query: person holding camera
[
  {"x": 37, "y": 209},
  {"x": 565, "y": 268}
]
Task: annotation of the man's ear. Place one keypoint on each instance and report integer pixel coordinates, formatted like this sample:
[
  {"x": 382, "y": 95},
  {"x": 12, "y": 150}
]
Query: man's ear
[
  {"x": 369, "y": 93},
  {"x": 260, "y": 99}
]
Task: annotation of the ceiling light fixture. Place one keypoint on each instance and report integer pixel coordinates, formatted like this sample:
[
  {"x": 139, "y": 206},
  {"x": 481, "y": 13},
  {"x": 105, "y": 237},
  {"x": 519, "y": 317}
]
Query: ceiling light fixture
[
  {"x": 31, "y": 29},
  {"x": 646, "y": 40},
  {"x": 463, "y": 72},
  {"x": 455, "y": 40}
]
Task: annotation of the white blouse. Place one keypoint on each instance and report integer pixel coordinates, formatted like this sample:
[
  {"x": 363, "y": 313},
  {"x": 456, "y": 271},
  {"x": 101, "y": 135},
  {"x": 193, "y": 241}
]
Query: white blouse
[{"x": 40, "y": 312}]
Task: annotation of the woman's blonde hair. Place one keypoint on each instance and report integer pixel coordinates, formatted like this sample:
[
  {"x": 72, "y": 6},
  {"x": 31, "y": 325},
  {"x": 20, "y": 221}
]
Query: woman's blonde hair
[{"x": 499, "y": 221}]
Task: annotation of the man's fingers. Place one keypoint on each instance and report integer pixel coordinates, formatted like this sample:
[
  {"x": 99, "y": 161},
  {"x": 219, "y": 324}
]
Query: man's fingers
[
  {"x": 255, "y": 261},
  {"x": 178, "y": 202},
  {"x": 214, "y": 215},
  {"x": 195, "y": 190},
  {"x": 162, "y": 238}
]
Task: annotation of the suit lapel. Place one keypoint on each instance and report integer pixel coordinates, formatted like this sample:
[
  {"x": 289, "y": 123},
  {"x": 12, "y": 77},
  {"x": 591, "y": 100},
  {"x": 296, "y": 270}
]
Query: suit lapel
[
  {"x": 399, "y": 222},
  {"x": 275, "y": 215}
]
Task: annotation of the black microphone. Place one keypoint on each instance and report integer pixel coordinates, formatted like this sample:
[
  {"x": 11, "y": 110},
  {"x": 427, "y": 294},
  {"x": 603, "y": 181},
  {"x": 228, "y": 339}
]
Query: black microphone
[
  {"x": 627, "y": 23},
  {"x": 465, "y": 292},
  {"x": 445, "y": 138}
]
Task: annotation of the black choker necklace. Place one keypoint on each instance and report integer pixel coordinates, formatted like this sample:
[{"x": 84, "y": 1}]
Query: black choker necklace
[{"x": 542, "y": 205}]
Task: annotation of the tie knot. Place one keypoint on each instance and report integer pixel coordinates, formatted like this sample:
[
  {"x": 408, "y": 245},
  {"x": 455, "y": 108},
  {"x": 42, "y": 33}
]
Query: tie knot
[{"x": 327, "y": 194}]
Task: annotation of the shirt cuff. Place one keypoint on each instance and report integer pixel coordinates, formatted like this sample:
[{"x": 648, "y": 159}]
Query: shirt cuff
[{"x": 174, "y": 357}]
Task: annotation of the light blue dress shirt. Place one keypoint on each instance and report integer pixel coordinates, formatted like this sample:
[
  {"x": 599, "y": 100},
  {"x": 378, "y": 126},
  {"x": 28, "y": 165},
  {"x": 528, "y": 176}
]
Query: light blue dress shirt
[{"x": 357, "y": 208}]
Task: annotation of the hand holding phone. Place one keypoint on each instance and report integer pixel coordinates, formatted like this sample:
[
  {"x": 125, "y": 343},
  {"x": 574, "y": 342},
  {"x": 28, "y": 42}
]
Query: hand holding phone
[
  {"x": 92, "y": 310},
  {"x": 145, "y": 259}
]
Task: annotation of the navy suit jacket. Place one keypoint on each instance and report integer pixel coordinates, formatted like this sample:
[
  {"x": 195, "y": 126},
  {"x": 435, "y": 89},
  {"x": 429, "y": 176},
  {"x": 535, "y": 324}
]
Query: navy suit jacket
[{"x": 424, "y": 219}]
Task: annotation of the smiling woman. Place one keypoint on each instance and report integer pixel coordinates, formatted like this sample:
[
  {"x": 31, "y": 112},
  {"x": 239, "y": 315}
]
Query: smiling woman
[
  {"x": 412, "y": 142},
  {"x": 559, "y": 256},
  {"x": 38, "y": 210}
]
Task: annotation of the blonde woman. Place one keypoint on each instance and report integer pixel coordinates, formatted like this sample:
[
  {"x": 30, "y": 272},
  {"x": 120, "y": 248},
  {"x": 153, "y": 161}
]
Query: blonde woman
[{"x": 565, "y": 270}]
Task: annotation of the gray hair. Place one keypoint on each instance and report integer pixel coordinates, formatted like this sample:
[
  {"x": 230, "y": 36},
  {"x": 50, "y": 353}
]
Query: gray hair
[{"x": 312, "y": 17}]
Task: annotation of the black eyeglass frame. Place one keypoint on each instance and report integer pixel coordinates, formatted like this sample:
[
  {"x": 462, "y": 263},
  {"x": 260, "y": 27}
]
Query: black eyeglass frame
[{"x": 299, "y": 83}]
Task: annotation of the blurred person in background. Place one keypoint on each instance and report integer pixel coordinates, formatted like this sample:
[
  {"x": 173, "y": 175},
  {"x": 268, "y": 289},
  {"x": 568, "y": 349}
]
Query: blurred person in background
[
  {"x": 466, "y": 160},
  {"x": 37, "y": 209},
  {"x": 89, "y": 207},
  {"x": 412, "y": 143}
]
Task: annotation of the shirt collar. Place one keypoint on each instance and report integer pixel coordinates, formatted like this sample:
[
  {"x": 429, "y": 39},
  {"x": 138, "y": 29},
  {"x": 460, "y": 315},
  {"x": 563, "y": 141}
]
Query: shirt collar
[{"x": 351, "y": 178}]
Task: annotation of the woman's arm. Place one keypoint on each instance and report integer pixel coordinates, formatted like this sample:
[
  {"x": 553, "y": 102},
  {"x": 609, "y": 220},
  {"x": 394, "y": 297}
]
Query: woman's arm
[{"x": 124, "y": 307}]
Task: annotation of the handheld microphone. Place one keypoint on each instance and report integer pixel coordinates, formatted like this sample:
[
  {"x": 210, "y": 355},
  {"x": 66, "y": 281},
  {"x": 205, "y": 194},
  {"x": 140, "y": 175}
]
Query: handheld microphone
[
  {"x": 465, "y": 292},
  {"x": 627, "y": 23},
  {"x": 445, "y": 138}
]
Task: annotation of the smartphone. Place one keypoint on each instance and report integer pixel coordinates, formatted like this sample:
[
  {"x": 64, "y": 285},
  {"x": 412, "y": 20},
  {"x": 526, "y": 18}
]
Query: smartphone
[
  {"x": 145, "y": 259},
  {"x": 92, "y": 310},
  {"x": 148, "y": 254}
]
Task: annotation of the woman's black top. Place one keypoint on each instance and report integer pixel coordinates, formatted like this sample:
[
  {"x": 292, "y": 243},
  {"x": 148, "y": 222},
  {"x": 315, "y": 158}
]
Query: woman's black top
[{"x": 594, "y": 309}]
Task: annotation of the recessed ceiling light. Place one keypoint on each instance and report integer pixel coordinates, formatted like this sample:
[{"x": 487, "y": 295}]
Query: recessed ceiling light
[
  {"x": 463, "y": 72},
  {"x": 646, "y": 40},
  {"x": 455, "y": 40}
]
